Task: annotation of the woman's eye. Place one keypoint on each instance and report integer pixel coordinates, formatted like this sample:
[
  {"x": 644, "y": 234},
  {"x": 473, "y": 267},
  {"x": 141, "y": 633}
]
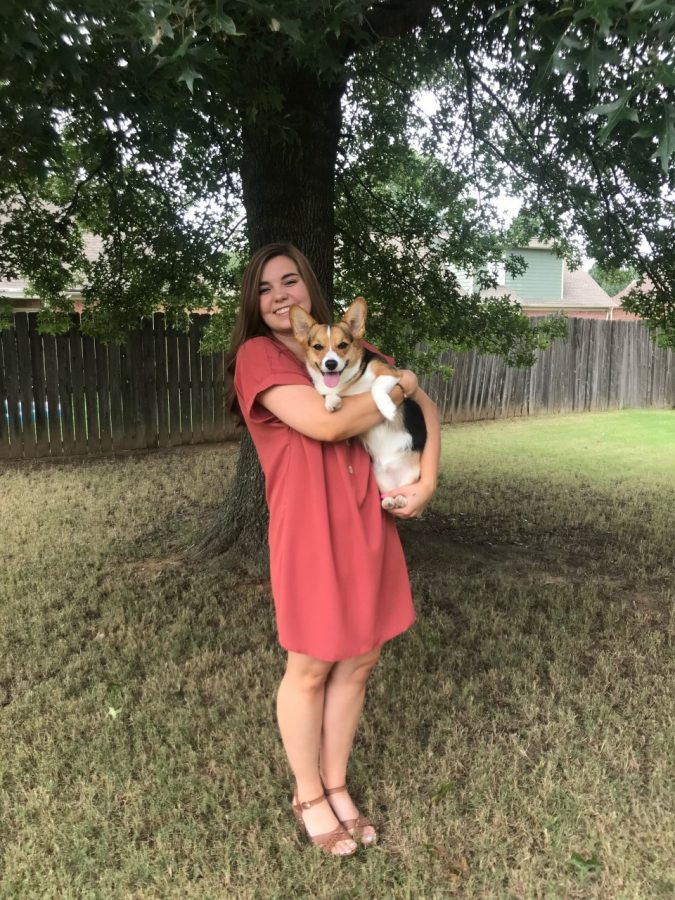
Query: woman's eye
[
  {"x": 291, "y": 283},
  {"x": 317, "y": 346},
  {"x": 342, "y": 345}
]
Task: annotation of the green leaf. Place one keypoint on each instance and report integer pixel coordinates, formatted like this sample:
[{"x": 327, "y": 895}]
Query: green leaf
[
  {"x": 290, "y": 26},
  {"x": 594, "y": 59},
  {"x": 189, "y": 76},
  {"x": 183, "y": 48},
  {"x": 224, "y": 23},
  {"x": 617, "y": 111},
  {"x": 666, "y": 147},
  {"x": 31, "y": 37}
]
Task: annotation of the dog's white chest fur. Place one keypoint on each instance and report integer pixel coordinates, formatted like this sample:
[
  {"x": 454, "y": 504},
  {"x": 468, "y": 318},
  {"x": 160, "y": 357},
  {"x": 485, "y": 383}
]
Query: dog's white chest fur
[{"x": 389, "y": 444}]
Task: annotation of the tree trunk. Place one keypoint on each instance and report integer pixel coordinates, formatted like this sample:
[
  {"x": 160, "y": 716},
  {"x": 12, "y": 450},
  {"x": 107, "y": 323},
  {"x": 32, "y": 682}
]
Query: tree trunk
[
  {"x": 288, "y": 179},
  {"x": 288, "y": 172},
  {"x": 239, "y": 529}
]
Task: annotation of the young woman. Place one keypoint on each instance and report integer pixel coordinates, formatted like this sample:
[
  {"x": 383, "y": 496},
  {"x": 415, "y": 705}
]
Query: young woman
[{"x": 339, "y": 578}]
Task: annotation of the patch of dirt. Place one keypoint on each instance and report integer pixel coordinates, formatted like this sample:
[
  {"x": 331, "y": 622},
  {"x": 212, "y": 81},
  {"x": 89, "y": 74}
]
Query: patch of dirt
[
  {"x": 156, "y": 566},
  {"x": 259, "y": 584},
  {"x": 437, "y": 538}
]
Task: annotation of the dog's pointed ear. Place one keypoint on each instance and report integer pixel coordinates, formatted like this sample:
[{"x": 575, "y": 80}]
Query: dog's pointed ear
[
  {"x": 355, "y": 317},
  {"x": 301, "y": 322}
]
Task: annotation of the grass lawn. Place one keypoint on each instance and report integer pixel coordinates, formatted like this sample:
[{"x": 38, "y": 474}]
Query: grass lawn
[{"x": 518, "y": 742}]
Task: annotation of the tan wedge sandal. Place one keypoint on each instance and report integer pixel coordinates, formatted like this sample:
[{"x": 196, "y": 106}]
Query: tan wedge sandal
[
  {"x": 327, "y": 841},
  {"x": 354, "y": 826}
]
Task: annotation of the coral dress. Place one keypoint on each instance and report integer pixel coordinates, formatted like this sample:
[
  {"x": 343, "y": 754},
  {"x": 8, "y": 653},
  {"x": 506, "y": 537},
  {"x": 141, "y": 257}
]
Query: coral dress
[{"x": 339, "y": 578}]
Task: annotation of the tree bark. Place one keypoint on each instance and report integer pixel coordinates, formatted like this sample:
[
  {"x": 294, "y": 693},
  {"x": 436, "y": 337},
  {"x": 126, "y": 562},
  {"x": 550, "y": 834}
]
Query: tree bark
[
  {"x": 288, "y": 179},
  {"x": 239, "y": 530},
  {"x": 288, "y": 171}
]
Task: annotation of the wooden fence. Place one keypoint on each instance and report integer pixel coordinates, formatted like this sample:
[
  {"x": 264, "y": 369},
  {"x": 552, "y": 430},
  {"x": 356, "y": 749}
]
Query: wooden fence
[
  {"x": 71, "y": 394},
  {"x": 601, "y": 365},
  {"x": 68, "y": 395}
]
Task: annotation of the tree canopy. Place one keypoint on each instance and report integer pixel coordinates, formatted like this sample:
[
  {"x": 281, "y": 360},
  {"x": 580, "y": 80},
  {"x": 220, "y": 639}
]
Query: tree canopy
[
  {"x": 181, "y": 132},
  {"x": 612, "y": 280}
]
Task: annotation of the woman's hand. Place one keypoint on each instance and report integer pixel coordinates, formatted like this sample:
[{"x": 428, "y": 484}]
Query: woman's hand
[
  {"x": 418, "y": 496},
  {"x": 408, "y": 382}
]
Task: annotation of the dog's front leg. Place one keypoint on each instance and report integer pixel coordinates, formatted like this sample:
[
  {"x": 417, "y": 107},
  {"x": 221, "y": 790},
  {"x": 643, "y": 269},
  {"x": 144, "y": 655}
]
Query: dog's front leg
[
  {"x": 380, "y": 390},
  {"x": 333, "y": 402}
]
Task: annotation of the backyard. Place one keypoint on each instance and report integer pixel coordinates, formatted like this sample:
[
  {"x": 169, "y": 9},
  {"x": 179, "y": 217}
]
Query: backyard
[{"x": 518, "y": 742}]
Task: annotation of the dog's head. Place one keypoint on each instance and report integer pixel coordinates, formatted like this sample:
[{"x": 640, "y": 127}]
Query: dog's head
[{"x": 330, "y": 350}]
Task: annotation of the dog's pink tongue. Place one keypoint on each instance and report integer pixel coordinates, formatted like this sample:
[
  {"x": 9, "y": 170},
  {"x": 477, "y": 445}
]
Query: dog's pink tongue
[{"x": 331, "y": 379}]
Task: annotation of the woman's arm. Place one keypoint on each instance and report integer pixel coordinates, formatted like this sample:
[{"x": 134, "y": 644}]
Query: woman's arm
[
  {"x": 420, "y": 493},
  {"x": 303, "y": 409}
]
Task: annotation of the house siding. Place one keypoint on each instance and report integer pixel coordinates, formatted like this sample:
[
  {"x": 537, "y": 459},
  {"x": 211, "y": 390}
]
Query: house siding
[{"x": 542, "y": 279}]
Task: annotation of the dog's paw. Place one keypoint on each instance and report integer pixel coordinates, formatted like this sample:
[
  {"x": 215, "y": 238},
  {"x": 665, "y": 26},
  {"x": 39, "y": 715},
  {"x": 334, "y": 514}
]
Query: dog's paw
[
  {"x": 333, "y": 402},
  {"x": 397, "y": 502}
]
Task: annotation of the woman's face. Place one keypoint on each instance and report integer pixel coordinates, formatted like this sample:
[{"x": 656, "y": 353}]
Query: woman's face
[{"x": 281, "y": 286}]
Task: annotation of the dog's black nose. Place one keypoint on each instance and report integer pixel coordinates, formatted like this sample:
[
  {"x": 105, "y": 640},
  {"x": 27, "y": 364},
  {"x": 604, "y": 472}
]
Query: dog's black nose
[{"x": 331, "y": 364}]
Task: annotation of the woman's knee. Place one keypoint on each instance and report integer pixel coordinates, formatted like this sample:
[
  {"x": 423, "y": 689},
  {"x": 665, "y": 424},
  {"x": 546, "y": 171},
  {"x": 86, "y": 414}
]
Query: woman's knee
[
  {"x": 359, "y": 668},
  {"x": 306, "y": 673}
]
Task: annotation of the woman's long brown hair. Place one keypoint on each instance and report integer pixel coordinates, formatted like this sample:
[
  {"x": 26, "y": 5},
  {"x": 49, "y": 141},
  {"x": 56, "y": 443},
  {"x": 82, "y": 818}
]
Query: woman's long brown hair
[{"x": 249, "y": 322}]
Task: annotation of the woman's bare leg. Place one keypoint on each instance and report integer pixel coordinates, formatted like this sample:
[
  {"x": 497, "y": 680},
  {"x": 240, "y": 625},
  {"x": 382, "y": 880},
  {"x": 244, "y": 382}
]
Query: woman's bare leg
[
  {"x": 300, "y": 706},
  {"x": 343, "y": 701}
]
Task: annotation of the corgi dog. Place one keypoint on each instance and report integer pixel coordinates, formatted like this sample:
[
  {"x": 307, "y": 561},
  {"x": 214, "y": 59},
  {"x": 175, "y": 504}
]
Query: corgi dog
[{"x": 340, "y": 365}]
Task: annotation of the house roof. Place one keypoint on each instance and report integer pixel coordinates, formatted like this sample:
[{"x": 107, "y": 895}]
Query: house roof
[
  {"x": 501, "y": 291},
  {"x": 17, "y": 287},
  {"x": 646, "y": 285},
  {"x": 534, "y": 244},
  {"x": 580, "y": 291}
]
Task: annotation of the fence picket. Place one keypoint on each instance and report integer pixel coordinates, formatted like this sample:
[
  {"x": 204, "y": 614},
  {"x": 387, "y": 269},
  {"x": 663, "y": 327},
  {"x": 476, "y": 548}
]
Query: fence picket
[
  {"x": 26, "y": 386},
  {"x": 184, "y": 383},
  {"x": 219, "y": 430},
  {"x": 52, "y": 394},
  {"x": 90, "y": 393},
  {"x": 116, "y": 397},
  {"x": 77, "y": 385},
  {"x": 196, "y": 381},
  {"x": 161, "y": 386},
  {"x": 65, "y": 394},
  {"x": 103, "y": 382},
  {"x": 172, "y": 369},
  {"x": 149, "y": 401},
  {"x": 39, "y": 388},
  {"x": 136, "y": 389},
  {"x": 12, "y": 447}
]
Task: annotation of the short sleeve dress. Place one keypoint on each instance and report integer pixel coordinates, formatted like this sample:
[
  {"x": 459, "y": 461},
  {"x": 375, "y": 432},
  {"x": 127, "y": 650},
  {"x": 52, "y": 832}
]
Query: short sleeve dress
[{"x": 339, "y": 578}]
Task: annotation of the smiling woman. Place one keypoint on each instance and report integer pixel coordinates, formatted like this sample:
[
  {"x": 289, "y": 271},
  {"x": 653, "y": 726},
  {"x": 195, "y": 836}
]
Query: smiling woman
[
  {"x": 281, "y": 287},
  {"x": 339, "y": 579}
]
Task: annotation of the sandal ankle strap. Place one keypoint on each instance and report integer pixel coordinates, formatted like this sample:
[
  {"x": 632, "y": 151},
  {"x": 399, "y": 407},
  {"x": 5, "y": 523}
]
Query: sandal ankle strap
[
  {"x": 308, "y": 804},
  {"x": 335, "y": 790}
]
